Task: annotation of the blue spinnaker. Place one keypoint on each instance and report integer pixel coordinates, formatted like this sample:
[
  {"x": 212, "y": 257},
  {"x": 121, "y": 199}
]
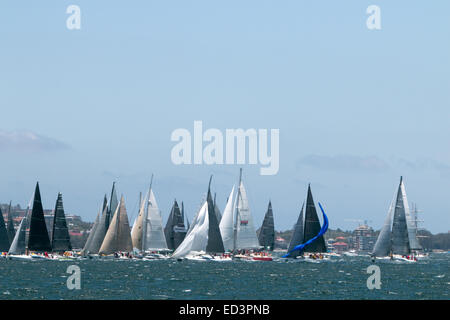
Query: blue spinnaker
[{"x": 322, "y": 231}]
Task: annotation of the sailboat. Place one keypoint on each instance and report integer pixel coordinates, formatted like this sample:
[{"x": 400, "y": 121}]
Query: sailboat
[
  {"x": 397, "y": 238},
  {"x": 38, "y": 239},
  {"x": 18, "y": 248},
  {"x": 101, "y": 225},
  {"x": 154, "y": 240},
  {"x": 307, "y": 239},
  {"x": 60, "y": 235},
  {"x": 203, "y": 240},
  {"x": 266, "y": 234},
  {"x": 118, "y": 236},
  {"x": 236, "y": 227},
  {"x": 175, "y": 230},
  {"x": 148, "y": 233},
  {"x": 17, "y": 251}
]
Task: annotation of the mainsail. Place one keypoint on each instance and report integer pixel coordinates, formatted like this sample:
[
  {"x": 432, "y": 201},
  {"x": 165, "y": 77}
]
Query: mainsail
[
  {"x": 118, "y": 236},
  {"x": 10, "y": 226},
  {"x": 137, "y": 230},
  {"x": 88, "y": 243},
  {"x": 226, "y": 223},
  {"x": 266, "y": 234},
  {"x": 236, "y": 226},
  {"x": 204, "y": 232},
  {"x": 400, "y": 240},
  {"x": 60, "y": 234},
  {"x": 382, "y": 246},
  {"x": 4, "y": 239},
  {"x": 410, "y": 222},
  {"x": 246, "y": 234},
  {"x": 98, "y": 231},
  {"x": 153, "y": 233},
  {"x": 298, "y": 236},
  {"x": 38, "y": 239},
  {"x": 312, "y": 226},
  {"x": 175, "y": 230},
  {"x": 18, "y": 245}
]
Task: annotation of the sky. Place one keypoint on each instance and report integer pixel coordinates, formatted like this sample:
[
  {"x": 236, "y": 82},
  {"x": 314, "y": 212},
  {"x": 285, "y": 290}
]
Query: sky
[{"x": 355, "y": 108}]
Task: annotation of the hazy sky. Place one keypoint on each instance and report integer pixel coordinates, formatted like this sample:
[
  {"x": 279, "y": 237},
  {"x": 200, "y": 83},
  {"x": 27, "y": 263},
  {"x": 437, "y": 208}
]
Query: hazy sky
[{"x": 356, "y": 108}]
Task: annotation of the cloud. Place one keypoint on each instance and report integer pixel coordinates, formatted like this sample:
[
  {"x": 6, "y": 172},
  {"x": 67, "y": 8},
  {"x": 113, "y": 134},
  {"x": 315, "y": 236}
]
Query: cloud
[
  {"x": 344, "y": 163},
  {"x": 27, "y": 141},
  {"x": 426, "y": 165}
]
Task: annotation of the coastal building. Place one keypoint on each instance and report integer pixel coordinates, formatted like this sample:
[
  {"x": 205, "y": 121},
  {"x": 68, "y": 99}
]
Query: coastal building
[
  {"x": 363, "y": 239},
  {"x": 340, "y": 247}
]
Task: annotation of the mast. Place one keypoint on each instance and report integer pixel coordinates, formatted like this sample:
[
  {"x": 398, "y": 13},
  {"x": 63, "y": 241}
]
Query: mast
[{"x": 236, "y": 214}]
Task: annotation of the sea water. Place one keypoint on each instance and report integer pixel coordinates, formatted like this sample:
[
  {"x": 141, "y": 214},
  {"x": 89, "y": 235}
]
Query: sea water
[{"x": 338, "y": 278}]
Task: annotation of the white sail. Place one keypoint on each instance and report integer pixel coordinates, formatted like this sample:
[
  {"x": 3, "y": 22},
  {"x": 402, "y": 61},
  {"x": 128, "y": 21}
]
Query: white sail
[
  {"x": 410, "y": 222},
  {"x": 246, "y": 234},
  {"x": 154, "y": 238},
  {"x": 197, "y": 238},
  {"x": 226, "y": 223},
  {"x": 382, "y": 246},
  {"x": 18, "y": 243}
]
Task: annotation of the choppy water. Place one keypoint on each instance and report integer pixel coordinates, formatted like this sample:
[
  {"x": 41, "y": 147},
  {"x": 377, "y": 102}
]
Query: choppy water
[{"x": 340, "y": 278}]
